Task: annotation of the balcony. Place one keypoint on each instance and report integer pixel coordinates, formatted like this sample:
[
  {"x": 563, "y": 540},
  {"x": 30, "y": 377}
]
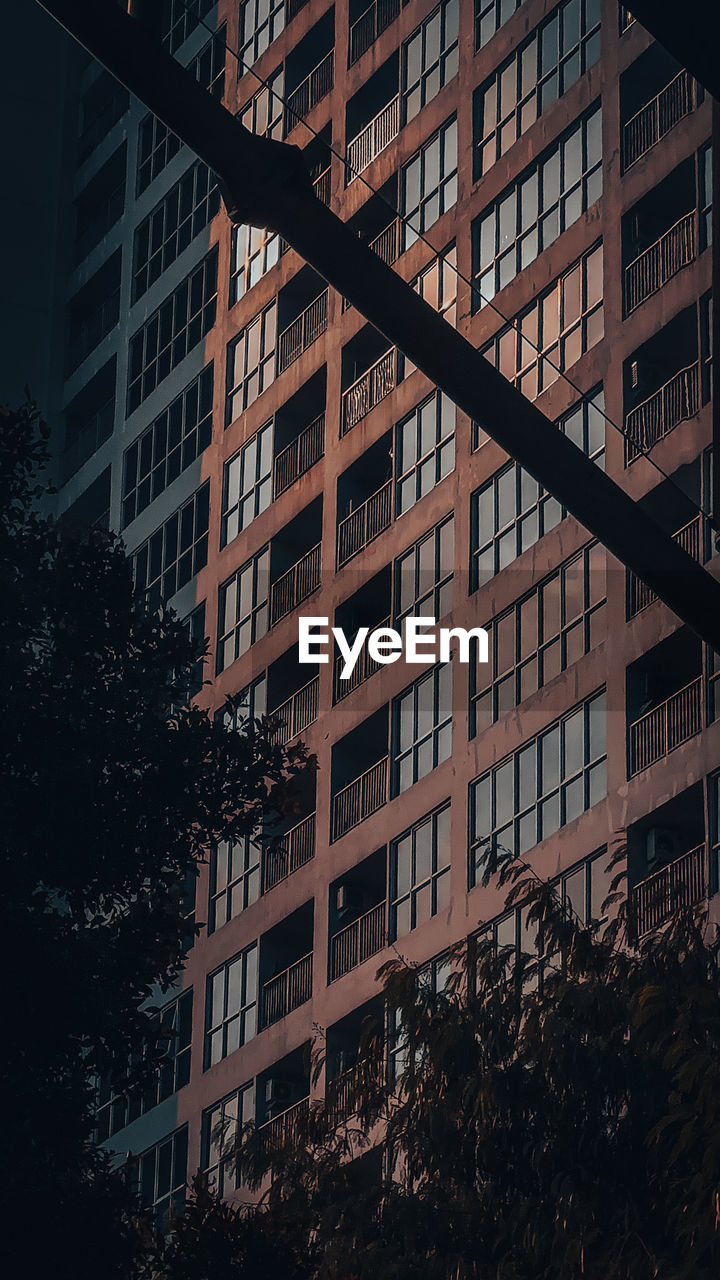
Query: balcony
[
  {"x": 676, "y": 401},
  {"x": 363, "y": 796},
  {"x": 370, "y": 606},
  {"x": 299, "y": 456},
  {"x": 676, "y": 249},
  {"x": 676, "y": 887},
  {"x": 297, "y": 713},
  {"x": 295, "y": 585},
  {"x": 316, "y": 86},
  {"x": 365, "y": 30},
  {"x": 692, "y": 539},
  {"x": 364, "y": 668},
  {"x": 369, "y": 389},
  {"x": 287, "y": 991},
  {"x": 666, "y": 727},
  {"x": 374, "y": 138},
  {"x": 292, "y": 851},
  {"x": 321, "y": 185},
  {"x": 657, "y": 118},
  {"x": 303, "y": 331},
  {"x": 626, "y": 19},
  {"x": 285, "y": 1127},
  {"x": 359, "y": 529},
  {"x": 358, "y": 941}
]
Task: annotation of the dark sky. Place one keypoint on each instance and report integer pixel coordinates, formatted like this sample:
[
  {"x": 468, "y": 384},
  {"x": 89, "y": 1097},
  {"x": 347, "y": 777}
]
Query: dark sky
[{"x": 32, "y": 60}]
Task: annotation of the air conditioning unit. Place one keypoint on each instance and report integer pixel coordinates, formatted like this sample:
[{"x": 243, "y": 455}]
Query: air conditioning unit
[
  {"x": 277, "y": 1090},
  {"x": 348, "y": 897},
  {"x": 662, "y": 846},
  {"x": 634, "y": 374}
]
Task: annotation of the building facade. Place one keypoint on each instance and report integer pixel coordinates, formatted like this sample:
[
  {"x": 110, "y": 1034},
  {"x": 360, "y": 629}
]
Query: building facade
[{"x": 542, "y": 173}]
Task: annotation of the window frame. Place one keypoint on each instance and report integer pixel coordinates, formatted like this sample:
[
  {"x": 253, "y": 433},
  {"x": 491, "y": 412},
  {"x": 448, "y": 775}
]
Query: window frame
[{"x": 246, "y": 1013}]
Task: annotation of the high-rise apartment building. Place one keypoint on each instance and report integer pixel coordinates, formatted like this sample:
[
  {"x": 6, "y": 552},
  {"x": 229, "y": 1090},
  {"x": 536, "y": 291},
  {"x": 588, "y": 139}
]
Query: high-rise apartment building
[{"x": 542, "y": 173}]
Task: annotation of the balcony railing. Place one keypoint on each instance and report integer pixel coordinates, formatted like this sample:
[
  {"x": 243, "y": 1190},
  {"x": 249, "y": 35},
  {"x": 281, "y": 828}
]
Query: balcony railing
[
  {"x": 681, "y": 884},
  {"x": 283, "y": 1128},
  {"x": 342, "y": 1090},
  {"x": 295, "y": 586},
  {"x": 691, "y": 539},
  {"x": 309, "y": 92},
  {"x": 374, "y": 138},
  {"x": 292, "y": 851},
  {"x": 658, "y": 264},
  {"x": 369, "y": 26},
  {"x": 666, "y": 727},
  {"x": 306, "y": 329},
  {"x": 299, "y": 456},
  {"x": 360, "y": 798},
  {"x": 361, "y": 527},
  {"x": 357, "y": 942},
  {"x": 657, "y": 416},
  {"x": 296, "y": 713},
  {"x": 288, "y": 990},
  {"x": 363, "y": 669},
  {"x": 653, "y": 121},
  {"x": 387, "y": 246},
  {"x": 321, "y": 186},
  {"x": 369, "y": 389}
]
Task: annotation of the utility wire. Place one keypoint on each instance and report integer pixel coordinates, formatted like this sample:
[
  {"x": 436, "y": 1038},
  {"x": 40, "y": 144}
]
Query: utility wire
[{"x": 584, "y": 396}]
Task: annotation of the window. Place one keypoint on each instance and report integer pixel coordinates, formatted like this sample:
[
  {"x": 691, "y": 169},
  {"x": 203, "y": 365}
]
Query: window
[
  {"x": 563, "y": 323},
  {"x": 92, "y": 508},
  {"x": 555, "y": 624},
  {"x": 195, "y": 628},
  {"x": 251, "y": 704},
  {"x": 173, "y": 1025},
  {"x": 422, "y": 727},
  {"x": 490, "y": 16},
  {"x": 507, "y": 515},
  {"x": 176, "y": 551},
  {"x": 247, "y": 484},
  {"x": 101, "y": 106},
  {"x": 169, "y": 446},
  {"x": 543, "y": 202},
  {"x": 172, "y": 331},
  {"x": 424, "y": 450},
  {"x": 255, "y": 250},
  {"x": 423, "y": 576},
  {"x": 264, "y": 113},
  {"x": 432, "y": 983},
  {"x": 251, "y": 362},
  {"x": 89, "y": 419},
  {"x": 100, "y": 204},
  {"x": 234, "y": 880},
  {"x": 428, "y": 183},
  {"x": 430, "y": 58},
  {"x": 714, "y": 828},
  {"x": 705, "y": 194},
  {"x": 243, "y": 609},
  {"x": 231, "y": 1007},
  {"x": 420, "y": 873},
  {"x": 182, "y": 214},
  {"x": 221, "y": 1126},
  {"x": 180, "y": 19},
  {"x": 163, "y": 1176},
  {"x": 93, "y": 312},
  {"x": 437, "y": 284},
  {"x": 541, "y": 787},
  {"x": 585, "y": 425},
  {"x": 559, "y": 51},
  {"x": 156, "y": 144},
  {"x": 261, "y": 22}
]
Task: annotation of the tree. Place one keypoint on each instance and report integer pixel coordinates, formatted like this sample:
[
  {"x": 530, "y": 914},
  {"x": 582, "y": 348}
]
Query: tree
[
  {"x": 557, "y": 1116},
  {"x": 114, "y": 787}
]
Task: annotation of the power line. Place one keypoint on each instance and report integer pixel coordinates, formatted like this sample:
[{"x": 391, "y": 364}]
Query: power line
[{"x": 584, "y": 396}]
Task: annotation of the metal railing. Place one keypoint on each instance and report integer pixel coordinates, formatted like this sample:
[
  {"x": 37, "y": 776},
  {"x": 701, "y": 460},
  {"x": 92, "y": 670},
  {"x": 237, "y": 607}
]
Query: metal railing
[
  {"x": 296, "y": 585},
  {"x": 691, "y": 539},
  {"x": 283, "y": 1128},
  {"x": 304, "y": 330},
  {"x": 310, "y": 91},
  {"x": 387, "y": 244},
  {"x": 369, "y": 389},
  {"x": 296, "y": 713},
  {"x": 660, "y": 262},
  {"x": 369, "y": 26},
  {"x": 653, "y": 121},
  {"x": 358, "y": 941},
  {"x": 292, "y": 851},
  {"x": 666, "y": 727},
  {"x": 288, "y": 990},
  {"x": 321, "y": 186},
  {"x": 678, "y": 885},
  {"x": 360, "y": 798},
  {"x": 657, "y": 416},
  {"x": 299, "y": 456},
  {"x": 626, "y": 19},
  {"x": 342, "y": 1090},
  {"x": 363, "y": 669},
  {"x": 374, "y": 138},
  {"x": 359, "y": 529}
]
